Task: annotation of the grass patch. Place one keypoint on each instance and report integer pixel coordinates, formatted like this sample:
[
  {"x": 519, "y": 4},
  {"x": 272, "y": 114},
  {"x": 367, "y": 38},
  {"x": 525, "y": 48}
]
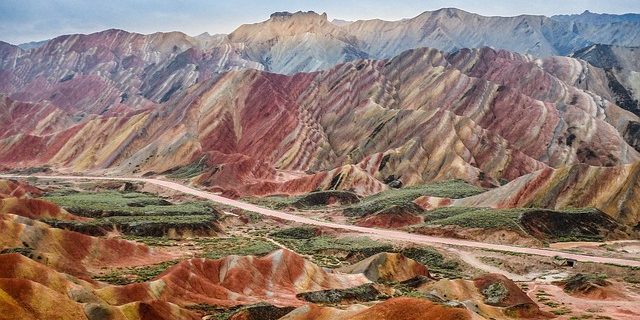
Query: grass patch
[
  {"x": 114, "y": 203},
  {"x": 150, "y": 225},
  {"x": 486, "y": 218},
  {"x": 256, "y": 311},
  {"x": 189, "y": 171},
  {"x": 362, "y": 293},
  {"x": 296, "y": 233},
  {"x": 582, "y": 282},
  {"x": 216, "y": 248},
  {"x": 434, "y": 260},
  {"x": 449, "y": 189},
  {"x": 136, "y": 274},
  {"x": 153, "y": 241},
  {"x": 335, "y": 252},
  {"x": 562, "y": 311},
  {"x": 273, "y": 202}
]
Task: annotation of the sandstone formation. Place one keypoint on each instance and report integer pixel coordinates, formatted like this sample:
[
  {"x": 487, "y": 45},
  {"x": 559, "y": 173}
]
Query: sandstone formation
[
  {"x": 490, "y": 127},
  {"x": 613, "y": 190}
]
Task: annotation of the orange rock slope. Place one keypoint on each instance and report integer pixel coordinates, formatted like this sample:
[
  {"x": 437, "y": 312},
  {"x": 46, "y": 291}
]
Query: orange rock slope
[
  {"x": 396, "y": 308},
  {"x": 45, "y": 273},
  {"x": 234, "y": 280},
  {"x": 69, "y": 251},
  {"x": 29, "y": 290}
]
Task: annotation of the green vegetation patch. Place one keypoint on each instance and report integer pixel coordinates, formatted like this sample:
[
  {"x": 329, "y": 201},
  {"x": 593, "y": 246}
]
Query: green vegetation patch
[
  {"x": 114, "y": 203},
  {"x": 571, "y": 224},
  {"x": 335, "y": 252},
  {"x": 486, "y": 218},
  {"x": 582, "y": 282},
  {"x": 262, "y": 311},
  {"x": 275, "y": 202},
  {"x": 363, "y": 293},
  {"x": 135, "y": 274},
  {"x": 148, "y": 225},
  {"x": 454, "y": 189},
  {"x": 495, "y": 293},
  {"x": 296, "y": 233},
  {"x": 354, "y": 206},
  {"x": 189, "y": 171},
  {"x": 134, "y": 214},
  {"x": 434, "y": 260}
]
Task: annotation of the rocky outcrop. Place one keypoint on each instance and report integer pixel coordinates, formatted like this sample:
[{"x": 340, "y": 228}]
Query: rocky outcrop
[
  {"x": 275, "y": 278},
  {"x": 613, "y": 190},
  {"x": 17, "y": 189},
  {"x": 396, "y": 216},
  {"x": 29, "y": 290},
  {"x": 459, "y": 116},
  {"x": 501, "y": 292},
  {"x": 622, "y": 67},
  {"x": 388, "y": 267},
  {"x": 289, "y": 42},
  {"x": 68, "y": 251}
]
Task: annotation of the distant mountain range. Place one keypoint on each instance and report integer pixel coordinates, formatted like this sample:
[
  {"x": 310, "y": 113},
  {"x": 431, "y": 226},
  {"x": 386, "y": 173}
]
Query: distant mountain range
[{"x": 298, "y": 103}]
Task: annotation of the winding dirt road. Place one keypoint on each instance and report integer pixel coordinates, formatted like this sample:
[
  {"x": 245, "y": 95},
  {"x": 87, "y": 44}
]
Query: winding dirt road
[{"x": 381, "y": 233}]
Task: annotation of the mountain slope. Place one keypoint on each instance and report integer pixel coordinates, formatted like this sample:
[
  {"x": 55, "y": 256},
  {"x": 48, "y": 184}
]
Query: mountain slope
[
  {"x": 114, "y": 70},
  {"x": 451, "y": 29},
  {"x": 611, "y": 29},
  {"x": 297, "y": 42},
  {"x": 463, "y": 115},
  {"x": 614, "y": 190}
]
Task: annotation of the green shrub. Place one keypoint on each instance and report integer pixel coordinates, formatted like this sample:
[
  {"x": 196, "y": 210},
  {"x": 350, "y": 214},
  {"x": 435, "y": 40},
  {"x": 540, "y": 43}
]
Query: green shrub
[
  {"x": 448, "y": 189},
  {"x": 92, "y": 204},
  {"x": 296, "y": 233}
]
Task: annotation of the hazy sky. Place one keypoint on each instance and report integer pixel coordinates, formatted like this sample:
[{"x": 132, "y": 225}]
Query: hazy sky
[{"x": 29, "y": 20}]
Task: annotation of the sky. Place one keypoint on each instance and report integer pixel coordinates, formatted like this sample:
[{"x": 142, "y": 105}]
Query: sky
[{"x": 33, "y": 20}]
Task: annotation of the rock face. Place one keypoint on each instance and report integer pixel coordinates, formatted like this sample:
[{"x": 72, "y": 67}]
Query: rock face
[
  {"x": 29, "y": 290},
  {"x": 451, "y": 29},
  {"x": 388, "y": 267},
  {"x": 613, "y": 190},
  {"x": 601, "y": 28},
  {"x": 622, "y": 70},
  {"x": 113, "y": 70},
  {"x": 275, "y": 278},
  {"x": 501, "y": 292},
  {"x": 68, "y": 251},
  {"x": 463, "y": 115},
  {"x": 15, "y": 199},
  {"x": 17, "y": 189},
  {"x": 396, "y": 216},
  {"x": 297, "y": 42},
  {"x": 116, "y": 71}
]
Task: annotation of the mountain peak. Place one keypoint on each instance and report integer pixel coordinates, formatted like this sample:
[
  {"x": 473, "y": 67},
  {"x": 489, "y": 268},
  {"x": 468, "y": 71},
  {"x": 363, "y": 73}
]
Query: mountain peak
[
  {"x": 287, "y": 24},
  {"x": 284, "y": 15}
]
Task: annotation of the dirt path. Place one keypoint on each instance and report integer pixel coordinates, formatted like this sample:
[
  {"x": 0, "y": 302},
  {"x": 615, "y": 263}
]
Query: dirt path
[
  {"x": 386, "y": 234},
  {"x": 472, "y": 260}
]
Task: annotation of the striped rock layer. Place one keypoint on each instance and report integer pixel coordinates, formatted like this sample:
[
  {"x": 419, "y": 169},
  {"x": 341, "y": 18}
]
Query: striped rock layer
[
  {"x": 114, "y": 71},
  {"x": 480, "y": 115},
  {"x": 613, "y": 190}
]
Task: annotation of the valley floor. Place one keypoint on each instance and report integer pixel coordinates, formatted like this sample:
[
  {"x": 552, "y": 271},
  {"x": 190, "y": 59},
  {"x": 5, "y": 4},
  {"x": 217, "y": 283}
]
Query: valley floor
[{"x": 244, "y": 229}]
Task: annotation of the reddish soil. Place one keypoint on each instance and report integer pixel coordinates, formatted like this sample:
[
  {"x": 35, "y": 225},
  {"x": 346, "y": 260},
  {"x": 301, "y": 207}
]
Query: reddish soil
[{"x": 275, "y": 278}]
